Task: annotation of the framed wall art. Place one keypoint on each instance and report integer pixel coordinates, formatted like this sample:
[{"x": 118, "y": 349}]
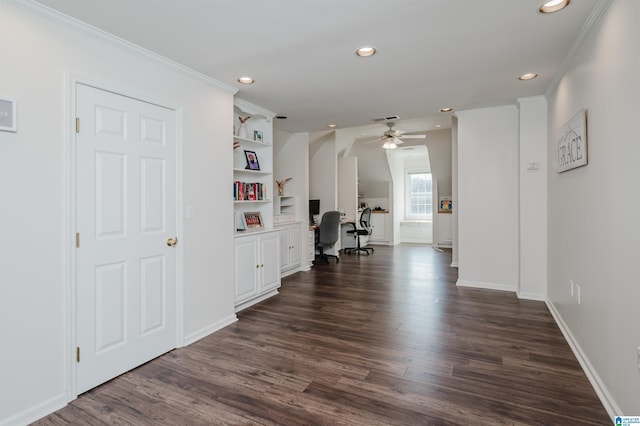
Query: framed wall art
[{"x": 571, "y": 144}]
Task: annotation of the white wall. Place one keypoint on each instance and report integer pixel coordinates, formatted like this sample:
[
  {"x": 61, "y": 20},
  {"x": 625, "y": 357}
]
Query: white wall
[
  {"x": 488, "y": 198},
  {"x": 594, "y": 224},
  {"x": 323, "y": 170},
  {"x": 533, "y": 198},
  {"x": 34, "y": 283},
  {"x": 290, "y": 160}
]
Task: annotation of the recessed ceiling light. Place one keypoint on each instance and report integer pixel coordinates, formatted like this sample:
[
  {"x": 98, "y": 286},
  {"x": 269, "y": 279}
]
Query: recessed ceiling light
[
  {"x": 446, "y": 109},
  {"x": 528, "y": 76},
  {"x": 366, "y": 51},
  {"x": 245, "y": 80},
  {"x": 332, "y": 126},
  {"x": 438, "y": 126},
  {"x": 554, "y": 6}
]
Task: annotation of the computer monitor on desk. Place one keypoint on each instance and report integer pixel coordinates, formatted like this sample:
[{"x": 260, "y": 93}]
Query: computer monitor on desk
[{"x": 314, "y": 210}]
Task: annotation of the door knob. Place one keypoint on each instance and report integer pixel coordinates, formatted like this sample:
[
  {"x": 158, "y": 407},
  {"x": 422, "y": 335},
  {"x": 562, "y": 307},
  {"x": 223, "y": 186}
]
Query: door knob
[{"x": 172, "y": 241}]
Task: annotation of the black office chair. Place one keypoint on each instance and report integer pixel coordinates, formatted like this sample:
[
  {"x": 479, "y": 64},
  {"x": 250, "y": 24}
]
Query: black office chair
[
  {"x": 365, "y": 229},
  {"x": 328, "y": 234}
]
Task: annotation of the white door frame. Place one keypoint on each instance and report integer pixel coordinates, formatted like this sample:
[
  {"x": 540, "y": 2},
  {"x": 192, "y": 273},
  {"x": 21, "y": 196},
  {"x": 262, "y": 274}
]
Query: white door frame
[{"x": 70, "y": 304}]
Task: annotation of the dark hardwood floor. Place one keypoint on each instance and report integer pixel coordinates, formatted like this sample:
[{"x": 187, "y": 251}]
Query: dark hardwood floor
[{"x": 386, "y": 339}]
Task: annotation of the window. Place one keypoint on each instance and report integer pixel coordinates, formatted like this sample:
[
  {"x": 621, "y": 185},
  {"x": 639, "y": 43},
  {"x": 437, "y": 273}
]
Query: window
[{"x": 419, "y": 198}]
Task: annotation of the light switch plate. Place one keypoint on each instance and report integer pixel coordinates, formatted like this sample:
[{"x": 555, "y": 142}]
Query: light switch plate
[{"x": 8, "y": 115}]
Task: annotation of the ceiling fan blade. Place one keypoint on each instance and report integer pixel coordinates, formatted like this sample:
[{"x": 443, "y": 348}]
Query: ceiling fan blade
[
  {"x": 413, "y": 136},
  {"x": 367, "y": 141},
  {"x": 397, "y": 141}
]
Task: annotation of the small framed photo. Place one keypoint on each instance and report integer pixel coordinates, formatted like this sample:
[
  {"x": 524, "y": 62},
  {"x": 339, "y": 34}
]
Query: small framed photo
[
  {"x": 253, "y": 219},
  {"x": 446, "y": 205},
  {"x": 8, "y": 115},
  {"x": 257, "y": 135},
  {"x": 252, "y": 160}
]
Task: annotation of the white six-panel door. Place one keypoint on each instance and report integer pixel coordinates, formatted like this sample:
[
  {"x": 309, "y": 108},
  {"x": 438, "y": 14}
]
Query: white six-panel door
[{"x": 125, "y": 215}]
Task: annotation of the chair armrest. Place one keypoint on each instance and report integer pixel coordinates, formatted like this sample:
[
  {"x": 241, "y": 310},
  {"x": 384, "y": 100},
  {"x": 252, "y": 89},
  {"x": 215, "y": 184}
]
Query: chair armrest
[{"x": 355, "y": 228}]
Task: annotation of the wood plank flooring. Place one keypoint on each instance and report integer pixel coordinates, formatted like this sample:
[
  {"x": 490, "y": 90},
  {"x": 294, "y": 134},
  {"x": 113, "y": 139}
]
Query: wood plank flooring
[{"x": 385, "y": 339}]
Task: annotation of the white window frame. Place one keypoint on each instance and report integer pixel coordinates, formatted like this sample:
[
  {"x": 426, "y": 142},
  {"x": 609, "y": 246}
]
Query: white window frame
[{"x": 407, "y": 196}]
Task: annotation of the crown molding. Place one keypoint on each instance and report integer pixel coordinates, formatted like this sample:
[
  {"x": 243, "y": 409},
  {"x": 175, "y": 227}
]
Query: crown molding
[
  {"x": 74, "y": 24},
  {"x": 254, "y": 109},
  {"x": 589, "y": 25}
]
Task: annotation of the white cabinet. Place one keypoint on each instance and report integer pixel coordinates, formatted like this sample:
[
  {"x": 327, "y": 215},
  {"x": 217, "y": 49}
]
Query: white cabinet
[
  {"x": 379, "y": 228},
  {"x": 290, "y": 247},
  {"x": 311, "y": 246},
  {"x": 257, "y": 271}
]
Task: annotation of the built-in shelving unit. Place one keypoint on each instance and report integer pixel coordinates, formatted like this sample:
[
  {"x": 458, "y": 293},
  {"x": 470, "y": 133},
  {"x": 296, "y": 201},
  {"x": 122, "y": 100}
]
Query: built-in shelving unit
[
  {"x": 285, "y": 205},
  {"x": 257, "y": 249},
  {"x": 253, "y": 164}
]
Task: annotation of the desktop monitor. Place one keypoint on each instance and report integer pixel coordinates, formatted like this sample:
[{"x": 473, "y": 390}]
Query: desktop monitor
[{"x": 314, "y": 210}]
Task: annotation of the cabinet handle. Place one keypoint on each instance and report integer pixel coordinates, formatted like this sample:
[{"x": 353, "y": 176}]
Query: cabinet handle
[
  {"x": 257, "y": 266},
  {"x": 262, "y": 266}
]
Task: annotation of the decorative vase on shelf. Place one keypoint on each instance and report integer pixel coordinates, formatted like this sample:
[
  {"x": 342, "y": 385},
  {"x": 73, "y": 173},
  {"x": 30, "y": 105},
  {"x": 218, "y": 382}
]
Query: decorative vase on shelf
[{"x": 242, "y": 129}]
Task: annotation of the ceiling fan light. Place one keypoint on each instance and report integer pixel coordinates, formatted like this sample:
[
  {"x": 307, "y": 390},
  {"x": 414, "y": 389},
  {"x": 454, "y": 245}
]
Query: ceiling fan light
[{"x": 389, "y": 145}]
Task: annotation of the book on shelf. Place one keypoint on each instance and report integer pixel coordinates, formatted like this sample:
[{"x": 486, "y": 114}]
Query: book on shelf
[{"x": 249, "y": 191}]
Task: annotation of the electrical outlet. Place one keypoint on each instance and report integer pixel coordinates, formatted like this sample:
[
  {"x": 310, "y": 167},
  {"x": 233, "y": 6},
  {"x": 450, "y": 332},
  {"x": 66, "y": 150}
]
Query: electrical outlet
[
  {"x": 578, "y": 293},
  {"x": 571, "y": 282}
]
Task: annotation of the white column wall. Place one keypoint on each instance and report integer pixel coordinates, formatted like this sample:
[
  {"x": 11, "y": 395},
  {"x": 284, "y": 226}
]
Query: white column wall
[
  {"x": 488, "y": 198},
  {"x": 35, "y": 352},
  {"x": 533, "y": 198}
]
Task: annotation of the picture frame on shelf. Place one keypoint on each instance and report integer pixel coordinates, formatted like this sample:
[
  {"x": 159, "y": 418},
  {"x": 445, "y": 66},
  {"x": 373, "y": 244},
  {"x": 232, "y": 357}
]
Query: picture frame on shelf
[
  {"x": 257, "y": 135},
  {"x": 253, "y": 220},
  {"x": 8, "y": 115},
  {"x": 252, "y": 160},
  {"x": 239, "y": 221}
]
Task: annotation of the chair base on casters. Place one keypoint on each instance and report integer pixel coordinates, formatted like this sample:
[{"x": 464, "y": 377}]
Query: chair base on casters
[
  {"x": 366, "y": 250},
  {"x": 326, "y": 257}
]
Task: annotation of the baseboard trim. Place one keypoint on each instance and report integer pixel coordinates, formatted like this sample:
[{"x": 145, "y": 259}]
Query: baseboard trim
[
  {"x": 36, "y": 412},
  {"x": 251, "y": 302},
  {"x": 601, "y": 390},
  {"x": 487, "y": 286},
  {"x": 532, "y": 296},
  {"x": 210, "y": 329}
]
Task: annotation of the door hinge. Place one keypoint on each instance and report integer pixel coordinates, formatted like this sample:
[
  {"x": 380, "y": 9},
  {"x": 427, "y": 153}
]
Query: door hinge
[
  {"x": 77, "y": 124},
  {"x": 78, "y": 354},
  {"x": 77, "y": 240}
]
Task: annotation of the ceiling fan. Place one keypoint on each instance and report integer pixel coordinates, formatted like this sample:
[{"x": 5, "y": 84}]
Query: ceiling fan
[{"x": 393, "y": 138}]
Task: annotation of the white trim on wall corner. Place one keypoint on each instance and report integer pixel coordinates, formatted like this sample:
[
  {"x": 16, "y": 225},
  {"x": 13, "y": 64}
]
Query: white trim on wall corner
[
  {"x": 532, "y": 296},
  {"x": 601, "y": 390},
  {"x": 36, "y": 412},
  {"x": 210, "y": 329},
  {"x": 487, "y": 286},
  {"x": 66, "y": 21},
  {"x": 596, "y": 14}
]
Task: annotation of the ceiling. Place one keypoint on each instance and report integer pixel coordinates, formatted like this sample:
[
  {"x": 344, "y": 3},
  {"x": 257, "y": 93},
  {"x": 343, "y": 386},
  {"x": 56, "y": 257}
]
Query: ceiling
[{"x": 430, "y": 53}]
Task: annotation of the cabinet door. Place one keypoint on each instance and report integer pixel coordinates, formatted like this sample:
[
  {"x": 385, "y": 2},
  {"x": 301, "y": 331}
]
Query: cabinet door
[
  {"x": 247, "y": 268},
  {"x": 283, "y": 234},
  {"x": 270, "y": 261},
  {"x": 378, "y": 227},
  {"x": 295, "y": 241}
]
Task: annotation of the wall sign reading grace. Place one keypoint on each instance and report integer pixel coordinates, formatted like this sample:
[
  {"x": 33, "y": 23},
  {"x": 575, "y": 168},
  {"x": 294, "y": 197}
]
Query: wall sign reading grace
[{"x": 572, "y": 143}]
